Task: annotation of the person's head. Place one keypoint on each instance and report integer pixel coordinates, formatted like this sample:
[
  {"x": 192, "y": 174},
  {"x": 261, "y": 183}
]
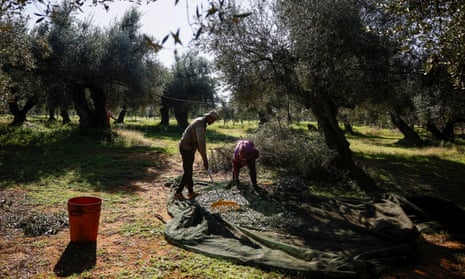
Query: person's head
[{"x": 211, "y": 117}]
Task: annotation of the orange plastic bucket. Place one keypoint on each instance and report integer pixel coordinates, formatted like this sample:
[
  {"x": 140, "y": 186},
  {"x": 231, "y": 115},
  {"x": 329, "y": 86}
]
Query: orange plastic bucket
[{"x": 84, "y": 215}]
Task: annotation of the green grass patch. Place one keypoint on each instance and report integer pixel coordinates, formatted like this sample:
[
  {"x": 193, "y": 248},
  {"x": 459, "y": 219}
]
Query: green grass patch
[
  {"x": 67, "y": 160},
  {"x": 142, "y": 228},
  {"x": 188, "y": 265},
  {"x": 430, "y": 170},
  {"x": 168, "y": 136},
  {"x": 54, "y": 163}
]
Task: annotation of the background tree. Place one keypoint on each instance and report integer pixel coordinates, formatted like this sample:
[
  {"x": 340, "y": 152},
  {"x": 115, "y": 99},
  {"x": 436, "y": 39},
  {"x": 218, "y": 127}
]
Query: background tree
[
  {"x": 20, "y": 87},
  {"x": 341, "y": 64},
  {"x": 75, "y": 63},
  {"x": 430, "y": 34},
  {"x": 50, "y": 49},
  {"x": 404, "y": 82},
  {"x": 118, "y": 58},
  {"x": 139, "y": 77},
  {"x": 189, "y": 88},
  {"x": 252, "y": 55},
  {"x": 440, "y": 105},
  {"x": 90, "y": 65},
  {"x": 437, "y": 27}
]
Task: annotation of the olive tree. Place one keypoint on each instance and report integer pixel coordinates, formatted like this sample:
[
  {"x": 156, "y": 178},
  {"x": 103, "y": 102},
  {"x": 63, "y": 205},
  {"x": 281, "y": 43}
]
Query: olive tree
[
  {"x": 431, "y": 33},
  {"x": 189, "y": 86},
  {"x": 254, "y": 59},
  {"x": 317, "y": 52},
  {"x": 91, "y": 66},
  {"x": 437, "y": 26},
  {"x": 20, "y": 88}
]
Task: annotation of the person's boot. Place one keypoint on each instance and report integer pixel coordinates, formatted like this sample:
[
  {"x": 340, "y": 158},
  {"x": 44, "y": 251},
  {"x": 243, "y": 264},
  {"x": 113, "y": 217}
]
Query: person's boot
[
  {"x": 192, "y": 195},
  {"x": 179, "y": 197}
]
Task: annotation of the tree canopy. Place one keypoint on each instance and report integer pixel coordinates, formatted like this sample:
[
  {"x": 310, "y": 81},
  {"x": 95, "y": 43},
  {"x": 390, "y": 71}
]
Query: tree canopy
[
  {"x": 436, "y": 28},
  {"x": 189, "y": 87},
  {"x": 86, "y": 66}
]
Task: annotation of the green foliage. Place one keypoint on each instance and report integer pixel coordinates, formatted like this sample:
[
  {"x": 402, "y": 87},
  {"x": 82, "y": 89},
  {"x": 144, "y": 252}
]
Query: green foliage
[
  {"x": 190, "y": 87},
  {"x": 34, "y": 134},
  {"x": 17, "y": 64},
  {"x": 254, "y": 59},
  {"x": 295, "y": 152},
  {"x": 338, "y": 57},
  {"x": 438, "y": 31},
  {"x": 70, "y": 61}
]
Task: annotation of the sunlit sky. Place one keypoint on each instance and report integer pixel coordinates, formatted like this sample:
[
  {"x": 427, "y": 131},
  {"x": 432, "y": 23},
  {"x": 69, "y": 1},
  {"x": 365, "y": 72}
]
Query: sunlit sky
[{"x": 159, "y": 18}]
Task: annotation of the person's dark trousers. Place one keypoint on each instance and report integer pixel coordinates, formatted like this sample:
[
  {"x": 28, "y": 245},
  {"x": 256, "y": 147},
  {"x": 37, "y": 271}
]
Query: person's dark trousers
[
  {"x": 187, "y": 165},
  {"x": 252, "y": 172}
]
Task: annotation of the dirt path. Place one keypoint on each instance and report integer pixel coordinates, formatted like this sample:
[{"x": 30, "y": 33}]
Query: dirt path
[{"x": 148, "y": 214}]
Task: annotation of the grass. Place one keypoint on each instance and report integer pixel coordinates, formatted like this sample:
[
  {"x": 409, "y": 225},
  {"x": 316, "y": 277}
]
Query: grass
[
  {"x": 199, "y": 266},
  {"x": 66, "y": 160},
  {"x": 432, "y": 170},
  {"x": 51, "y": 163},
  {"x": 39, "y": 155}
]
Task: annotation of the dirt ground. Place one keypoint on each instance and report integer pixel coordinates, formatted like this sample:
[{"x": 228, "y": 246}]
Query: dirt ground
[
  {"x": 439, "y": 255},
  {"x": 37, "y": 257}
]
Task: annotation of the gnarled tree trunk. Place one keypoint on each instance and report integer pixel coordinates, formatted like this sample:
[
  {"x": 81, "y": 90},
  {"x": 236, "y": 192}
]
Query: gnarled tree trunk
[
  {"x": 447, "y": 134},
  {"x": 165, "y": 112},
  {"x": 121, "y": 115},
  {"x": 326, "y": 114},
  {"x": 91, "y": 116},
  {"x": 82, "y": 107},
  {"x": 410, "y": 136},
  {"x": 100, "y": 120},
  {"x": 181, "y": 114},
  {"x": 65, "y": 116},
  {"x": 347, "y": 125},
  {"x": 51, "y": 115},
  {"x": 19, "y": 115}
]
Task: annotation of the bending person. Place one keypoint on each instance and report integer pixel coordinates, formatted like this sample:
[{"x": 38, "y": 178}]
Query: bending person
[{"x": 245, "y": 154}]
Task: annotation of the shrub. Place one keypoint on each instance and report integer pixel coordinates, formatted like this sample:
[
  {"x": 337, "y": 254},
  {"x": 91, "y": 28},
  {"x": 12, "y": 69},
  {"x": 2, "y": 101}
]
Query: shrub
[
  {"x": 296, "y": 152},
  {"x": 220, "y": 158}
]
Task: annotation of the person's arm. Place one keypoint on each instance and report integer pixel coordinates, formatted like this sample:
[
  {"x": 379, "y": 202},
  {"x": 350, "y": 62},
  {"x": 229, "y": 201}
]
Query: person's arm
[{"x": 202, "y": 145}]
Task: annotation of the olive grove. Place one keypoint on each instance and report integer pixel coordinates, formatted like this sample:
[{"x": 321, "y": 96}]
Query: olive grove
[{"x": 75, "y": 65}]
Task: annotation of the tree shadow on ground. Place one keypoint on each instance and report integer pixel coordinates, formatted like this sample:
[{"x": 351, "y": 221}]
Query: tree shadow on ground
[
  {"x": 412, "y": 175},
  {"x": 102, "y": 166}
]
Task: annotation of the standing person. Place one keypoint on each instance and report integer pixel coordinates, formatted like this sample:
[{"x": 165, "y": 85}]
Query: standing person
[
  {"x": 193, "y": 139},
  {"x": 245, "y": 154}
]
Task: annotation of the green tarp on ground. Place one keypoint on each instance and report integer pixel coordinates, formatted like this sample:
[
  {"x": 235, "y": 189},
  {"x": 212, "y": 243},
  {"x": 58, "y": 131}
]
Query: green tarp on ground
[{"x": 323, "y": 237}]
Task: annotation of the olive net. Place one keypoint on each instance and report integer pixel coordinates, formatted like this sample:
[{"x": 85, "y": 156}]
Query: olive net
[{"x": 311, "y": 236}]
